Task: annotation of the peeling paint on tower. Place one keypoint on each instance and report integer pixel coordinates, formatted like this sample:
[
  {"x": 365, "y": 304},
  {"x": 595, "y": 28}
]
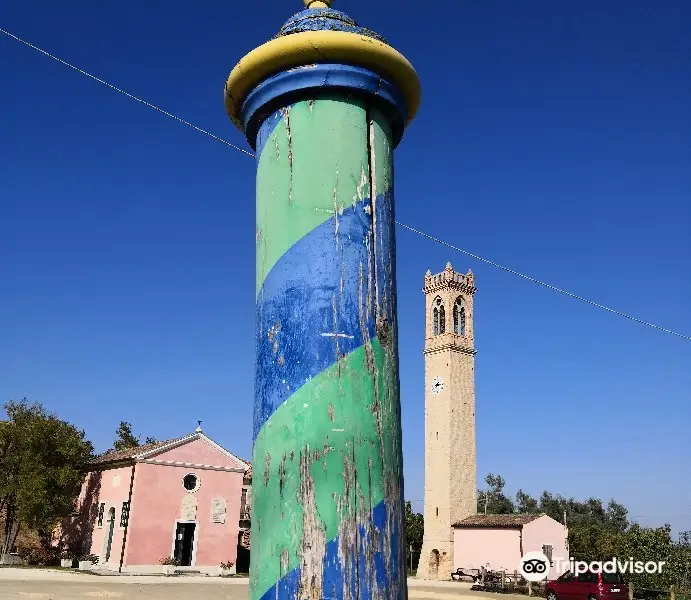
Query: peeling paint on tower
[{"x": 328, "y": 519}]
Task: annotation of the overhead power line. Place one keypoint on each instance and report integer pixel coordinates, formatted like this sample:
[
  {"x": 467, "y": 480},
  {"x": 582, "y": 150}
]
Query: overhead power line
[
  {"x": 117, "y": 89},
  {"x": 408, "y": 227},
  {"x": 542, "y": 283}
]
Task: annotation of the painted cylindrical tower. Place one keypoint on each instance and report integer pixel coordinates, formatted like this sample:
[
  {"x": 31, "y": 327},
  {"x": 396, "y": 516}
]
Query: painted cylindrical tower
[{"x": 324, "y": 104}]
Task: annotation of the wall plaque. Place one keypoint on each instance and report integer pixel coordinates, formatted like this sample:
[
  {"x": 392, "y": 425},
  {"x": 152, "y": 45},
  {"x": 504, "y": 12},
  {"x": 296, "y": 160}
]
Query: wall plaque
[
  {"x": 189, "y": 508},
  {"x": 218, "y": 510}
]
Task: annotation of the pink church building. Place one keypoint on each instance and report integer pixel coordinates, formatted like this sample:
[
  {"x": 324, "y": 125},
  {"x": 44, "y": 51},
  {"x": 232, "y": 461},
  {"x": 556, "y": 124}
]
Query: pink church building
[
  {"x": 185, "y": 498},
  {"x": 497, "y": 542}
]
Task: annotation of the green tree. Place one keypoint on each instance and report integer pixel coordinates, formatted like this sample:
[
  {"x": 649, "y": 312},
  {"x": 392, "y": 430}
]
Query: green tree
[
  {"x": 41, "y": 460},
  {"x": 493, "y": 500},
  {"x": 680, "y": 561},
  {"x": 613, "y": 517},
  {"x": 617, "y": 516},
  {"x": 650, "y": 544},
  {"x": 414, "y": 531},
  {"x": 525, "y": 503},
  {"x": 125, "y": 438},
  {"x": 592, "y": 541},
  {"x": 552, "y": 506}
]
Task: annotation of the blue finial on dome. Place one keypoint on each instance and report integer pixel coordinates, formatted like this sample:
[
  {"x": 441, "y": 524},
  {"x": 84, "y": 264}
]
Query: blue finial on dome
[{"x": 324, "y": 18}]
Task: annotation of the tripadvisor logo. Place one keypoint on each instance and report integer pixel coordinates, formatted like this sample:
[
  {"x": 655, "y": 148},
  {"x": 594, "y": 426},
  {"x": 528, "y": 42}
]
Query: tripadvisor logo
[
  {"x": 534, "y": 566},
  {"x": 614, "y": 565}
]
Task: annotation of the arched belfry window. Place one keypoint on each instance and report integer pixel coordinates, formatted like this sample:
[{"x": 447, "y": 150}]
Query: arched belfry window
[
  {"x": 439, "y": 317},
  {"x": 459, "y": 317}
]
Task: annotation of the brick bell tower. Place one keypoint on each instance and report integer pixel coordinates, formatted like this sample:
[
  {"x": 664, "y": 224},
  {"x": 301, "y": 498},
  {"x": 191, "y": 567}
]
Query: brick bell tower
[{"x": 450, "y": 457}]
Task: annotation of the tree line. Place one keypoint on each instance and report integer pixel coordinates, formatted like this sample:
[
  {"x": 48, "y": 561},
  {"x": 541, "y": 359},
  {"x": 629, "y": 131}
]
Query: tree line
[
  {"x": 597, "y": 531},
  {"x": 43, "y": 460}
]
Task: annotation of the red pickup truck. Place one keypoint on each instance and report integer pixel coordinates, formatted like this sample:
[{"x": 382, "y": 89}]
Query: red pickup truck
[{"x": 587, "y": 586}]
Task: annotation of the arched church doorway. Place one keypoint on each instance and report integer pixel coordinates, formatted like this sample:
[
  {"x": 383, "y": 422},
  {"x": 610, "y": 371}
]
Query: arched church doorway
[{"x": 434, "y": 563}]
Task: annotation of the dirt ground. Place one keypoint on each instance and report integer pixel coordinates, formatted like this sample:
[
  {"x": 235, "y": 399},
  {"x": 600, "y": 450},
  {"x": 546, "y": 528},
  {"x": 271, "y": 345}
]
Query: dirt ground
[
  {"x": 64, "y": 590},
  {"x": 35, "y": 584}
]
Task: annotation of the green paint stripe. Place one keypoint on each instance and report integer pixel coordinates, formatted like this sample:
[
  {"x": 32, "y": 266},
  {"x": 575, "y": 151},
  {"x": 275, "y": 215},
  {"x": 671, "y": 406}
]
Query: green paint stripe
[
  {"x": 304, "y": 421},
  {"x": 383, "y": 152},
  {"x": 304, "y": 176}
]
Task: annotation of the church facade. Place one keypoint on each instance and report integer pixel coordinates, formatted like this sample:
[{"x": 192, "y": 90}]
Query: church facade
[{"x": 186, "y": 499}]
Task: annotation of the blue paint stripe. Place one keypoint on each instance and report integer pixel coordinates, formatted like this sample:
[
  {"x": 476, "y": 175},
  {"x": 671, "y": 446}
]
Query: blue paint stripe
[
  {"x": 313, "y": 81},
  {"x": 310, "y": 305},
  {"x": 265, "y": 131},
  {"x": 391, "y": 582}
]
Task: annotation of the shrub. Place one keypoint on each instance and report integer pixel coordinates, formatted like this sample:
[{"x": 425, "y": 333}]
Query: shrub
[
  {"x": 38, "y": 555},
  {"x": 227, "y": 565},
  {"x": 171, "y": 561}
]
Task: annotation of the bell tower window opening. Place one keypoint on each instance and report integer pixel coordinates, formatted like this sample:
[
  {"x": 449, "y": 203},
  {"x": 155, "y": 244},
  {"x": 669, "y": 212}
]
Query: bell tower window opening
[
  {"x": 459, "y": 319},
  {"x": 439, "y": 317}
]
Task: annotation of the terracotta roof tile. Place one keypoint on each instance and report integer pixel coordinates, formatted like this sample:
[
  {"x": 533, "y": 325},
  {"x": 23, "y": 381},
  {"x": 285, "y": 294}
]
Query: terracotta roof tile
[
  {"x": 116, "y": 456},
  {"x": 501, "y": 521}
]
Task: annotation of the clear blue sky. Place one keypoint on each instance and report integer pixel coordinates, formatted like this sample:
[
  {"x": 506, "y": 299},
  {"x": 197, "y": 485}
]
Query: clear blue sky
[{"x": 553, "y": 137}]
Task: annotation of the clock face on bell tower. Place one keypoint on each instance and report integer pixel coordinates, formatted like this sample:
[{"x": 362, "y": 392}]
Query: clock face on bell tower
[{"x": 437, "y": 385}]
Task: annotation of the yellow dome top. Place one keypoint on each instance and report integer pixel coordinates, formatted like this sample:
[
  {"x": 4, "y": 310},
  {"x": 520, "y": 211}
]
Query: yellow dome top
[{"x": 327, "y": 38}]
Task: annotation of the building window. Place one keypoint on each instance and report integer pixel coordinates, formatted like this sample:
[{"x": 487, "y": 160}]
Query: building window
[
  {"x": 190, "y": 482},
  {"x": 437, "y": 511},
  {"x": 243, "y": 504},
  {"x": 439, "y": 316},
  {"x": 459, "y": 317},
  {"x": 124, "y": 514},
  {"x": 547, "y": 551},
  {"x": 101, "y": 510}
]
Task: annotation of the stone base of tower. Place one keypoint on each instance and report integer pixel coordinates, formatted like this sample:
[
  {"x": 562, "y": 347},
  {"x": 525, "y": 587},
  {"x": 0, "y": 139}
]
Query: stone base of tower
[{"x": 436, "y": 560}]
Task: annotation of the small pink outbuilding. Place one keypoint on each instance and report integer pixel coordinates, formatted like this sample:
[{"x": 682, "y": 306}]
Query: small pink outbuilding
[
  {"x": 181, "y": 499},
  {"x": 498, "y": 542}
]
